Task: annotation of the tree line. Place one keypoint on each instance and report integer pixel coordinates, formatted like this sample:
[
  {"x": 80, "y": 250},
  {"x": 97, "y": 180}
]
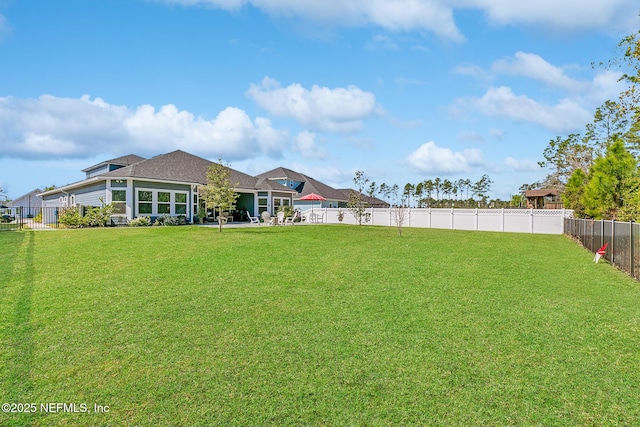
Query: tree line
[
  {"x": 597, "y": 170},
  {"x": 435, "y": 193}
]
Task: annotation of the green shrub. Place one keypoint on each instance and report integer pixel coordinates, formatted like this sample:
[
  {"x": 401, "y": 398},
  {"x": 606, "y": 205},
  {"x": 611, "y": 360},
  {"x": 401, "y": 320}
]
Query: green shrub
[
  {"x": 169, "y": 220},
  {"x": 141, "y": 221},
  {"x": 38, "y": 217},
  {"x": 70, "y": 217},
  {"x": 98, "y": 217},
  {"x": 288, "y": 210}
]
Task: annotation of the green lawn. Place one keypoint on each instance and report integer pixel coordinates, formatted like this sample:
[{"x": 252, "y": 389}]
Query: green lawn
[{"x": 315, "y": 325}]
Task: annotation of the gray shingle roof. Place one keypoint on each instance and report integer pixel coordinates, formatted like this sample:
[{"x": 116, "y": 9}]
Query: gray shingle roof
[
  {"x": 179, "y": 166},
  {"x": 371, "y": 201},
  {"x": 310, "y": 185}
]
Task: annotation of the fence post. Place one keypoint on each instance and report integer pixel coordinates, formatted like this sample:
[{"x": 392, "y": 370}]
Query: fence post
[
  {"x": 502, "y": 218},
  {"x": 452, "y": 219},
  {"x": 476, "y": 219},
  {"x": 531, "y": 221},
  {"x": 613, "y": 241}
]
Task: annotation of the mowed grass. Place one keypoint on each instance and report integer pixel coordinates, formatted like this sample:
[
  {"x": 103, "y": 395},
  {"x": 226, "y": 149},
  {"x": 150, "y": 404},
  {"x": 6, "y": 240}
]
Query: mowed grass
[{"x": 315, "y": 325}]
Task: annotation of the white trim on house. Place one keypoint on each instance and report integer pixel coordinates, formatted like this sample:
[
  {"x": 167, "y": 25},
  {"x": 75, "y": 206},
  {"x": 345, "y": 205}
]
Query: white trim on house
[{"x": 154, "y": 202}]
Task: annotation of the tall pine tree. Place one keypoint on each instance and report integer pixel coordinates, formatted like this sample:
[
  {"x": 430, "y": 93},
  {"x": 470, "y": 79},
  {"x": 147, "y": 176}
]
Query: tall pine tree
[{"x": 609, "y": 179}]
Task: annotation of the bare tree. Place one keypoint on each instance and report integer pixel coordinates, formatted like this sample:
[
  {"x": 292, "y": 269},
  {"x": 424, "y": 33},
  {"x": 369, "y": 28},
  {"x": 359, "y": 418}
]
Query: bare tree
[{"x": 356, "y": 203}]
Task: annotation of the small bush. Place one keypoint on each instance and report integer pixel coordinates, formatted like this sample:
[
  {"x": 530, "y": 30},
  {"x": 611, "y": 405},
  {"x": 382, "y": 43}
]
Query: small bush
[
  {"x": 168, "y": 220},
  {"x": 38, "y": 217},
  {"x": 141, "y": 221},
  {"x": 70, "y": 217},
  {"x": 98, "y": 217},
  {"x": 287, "y": 210}
]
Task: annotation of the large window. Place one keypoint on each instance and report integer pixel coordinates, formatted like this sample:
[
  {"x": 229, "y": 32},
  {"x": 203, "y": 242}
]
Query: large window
[
  {"x": 119, "y": 200},
  {"x": 181, "y": 203},
  {"x": 145, "y": 202},
  {"x": 161, "y": 202},
  {"x": 164, "y": 203}
]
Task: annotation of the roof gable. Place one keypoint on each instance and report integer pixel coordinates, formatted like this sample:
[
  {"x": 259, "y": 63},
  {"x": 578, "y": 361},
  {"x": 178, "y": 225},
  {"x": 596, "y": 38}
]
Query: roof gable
[
  {"x": 127, "y": 160},
  {"x": 309, "y": 185}
]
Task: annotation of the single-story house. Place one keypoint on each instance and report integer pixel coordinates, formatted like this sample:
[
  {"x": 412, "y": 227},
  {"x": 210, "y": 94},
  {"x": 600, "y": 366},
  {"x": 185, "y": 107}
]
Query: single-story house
[
  {"x": 305, "y": 185},
  {"x": 546, "y": 198},
  {"x": 29, "y": 203},
  {"x": 163, "y": 185}
]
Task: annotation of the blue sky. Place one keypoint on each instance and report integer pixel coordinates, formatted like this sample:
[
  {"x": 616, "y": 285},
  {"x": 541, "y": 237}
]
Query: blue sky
[{"x": 404, "y": 90}]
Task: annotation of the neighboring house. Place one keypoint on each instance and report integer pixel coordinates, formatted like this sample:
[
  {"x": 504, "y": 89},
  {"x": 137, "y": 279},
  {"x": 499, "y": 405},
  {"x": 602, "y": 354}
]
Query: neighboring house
[
  {"x": 546, "y": 198},
  {"x": 372, "y": 202},
  {"x": 305, "y": 185},
  {"x": 163, "y": 185},
  {"x": 30, "y": 203}
]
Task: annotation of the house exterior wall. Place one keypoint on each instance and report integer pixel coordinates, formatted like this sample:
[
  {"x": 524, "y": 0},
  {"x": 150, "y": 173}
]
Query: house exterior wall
[
  {"x": 97, "y": 171},
  {"x": 157, "y": 207},
  {"x": 87, "y": 196},
  {"x": 26, "y": 201},
  {"x": 51, "y": 201},
  {"x": 90, "y": 195}
]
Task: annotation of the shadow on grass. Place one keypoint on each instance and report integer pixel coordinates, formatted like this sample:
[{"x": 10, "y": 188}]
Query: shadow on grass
[{"x": 17, "y": 293}]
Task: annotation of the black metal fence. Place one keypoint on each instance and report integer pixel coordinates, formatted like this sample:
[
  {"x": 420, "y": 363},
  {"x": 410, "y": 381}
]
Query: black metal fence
[
  {"x": 17, "y": 218},
  {"x": 623, "y": 240}
]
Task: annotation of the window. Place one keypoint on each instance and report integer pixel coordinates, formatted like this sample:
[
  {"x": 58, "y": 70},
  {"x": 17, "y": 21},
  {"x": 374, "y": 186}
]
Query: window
[
  {"x": 262, "y": 204},
  {"x": 195, "y": 204},
  {"x": 119, "y": 200},
  {"x": 181, "y": 203},
  {"x": 164, "y": 203},
  {"x": 280, "y": 201},
  {"x": 145, "y": 202}
]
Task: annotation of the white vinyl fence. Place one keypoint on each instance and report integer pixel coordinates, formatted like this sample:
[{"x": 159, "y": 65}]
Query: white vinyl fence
[{"x": 539, "y": 221}]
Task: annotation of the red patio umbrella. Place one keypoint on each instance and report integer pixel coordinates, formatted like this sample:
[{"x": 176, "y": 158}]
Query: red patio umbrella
[{"x": 312, "y": 197}]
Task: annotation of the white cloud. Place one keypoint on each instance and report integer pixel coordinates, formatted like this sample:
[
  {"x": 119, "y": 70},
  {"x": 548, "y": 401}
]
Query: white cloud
[
  {"x": 430, "y": 158},
  {"x": 497, "y": 134},
  {"x": 470, "y": 136},
  {"x": 568, "y": 113},
  {"x": 382, "y": 41},
  {"x": 398, "y": 15},
  {"x": 565, "y": 15},
  {"x": 535, "y": 67},
  {"x": 501, "y": 102},
  {"x": 52, "y": 127},
  {"x": 305, "y": 144},
  {"x": 474, "y": 71},
  {"x": 437, "y": 16},
  {"x": 320, "y": 108},
  {"x": 522, "y": 165}
]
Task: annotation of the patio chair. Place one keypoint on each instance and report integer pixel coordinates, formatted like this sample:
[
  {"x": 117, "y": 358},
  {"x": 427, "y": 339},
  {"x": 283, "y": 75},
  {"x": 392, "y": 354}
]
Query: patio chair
[
  {"x": 280, "y": 218},
  {"x": 289, "y": 220},
  {"x": 253, "y": 219},
  {"x": 266, "y": 217}
]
